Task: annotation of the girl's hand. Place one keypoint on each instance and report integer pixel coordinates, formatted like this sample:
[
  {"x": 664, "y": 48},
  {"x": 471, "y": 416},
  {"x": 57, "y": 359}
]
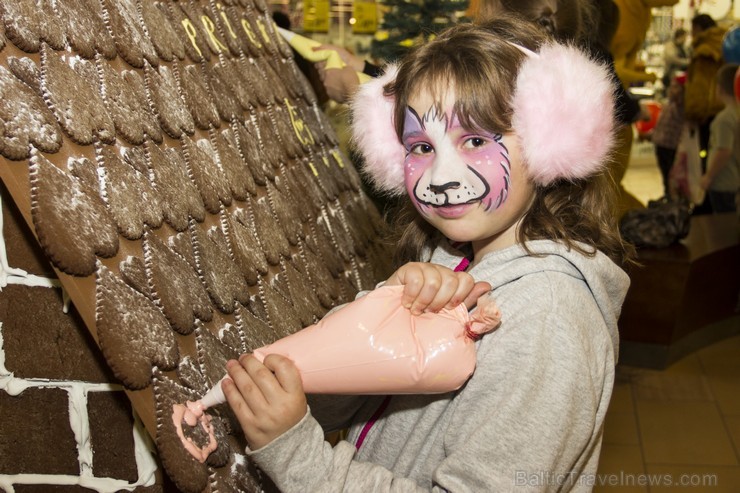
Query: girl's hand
[
  {"x": 267, "y": 399},
  {"x": 431, "y": 287}
]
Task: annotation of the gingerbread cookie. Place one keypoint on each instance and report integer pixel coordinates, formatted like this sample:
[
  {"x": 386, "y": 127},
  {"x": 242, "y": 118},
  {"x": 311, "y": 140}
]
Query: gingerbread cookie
[
  {"x": 212, "y": 355},
  {"x": 256, "y": 330},
  {"x": 172, "y": 113},
  {"x": 308, "y": 209},
  {"x": 281, "y": 313},
  {"x": 194, "y": 13},
  {"x": 25, "y": 120},
  {"x": 188, "y": 474},
  {"x": 237, "y": 175},
  {"x": 175, "y": 286},
  {"x": 26, "y": 70},
  {"x": 132, "y": 42},
  {"x": 29, "y": 24},
  {"x": 321, "y": 243},
  {"x": 132, "y": 332},
  {"x": 58, "y": 200},
  {"x": 189, "y": 31},
  {"x": 222, "y": 279},
  {"x": 249, "y": 147},
  {"x": 133, "y": 271},
  {"x": 195, "y": 94},
  {"x": 182, "y": 244},
  {"x": 206, "y": 173},
  {"x": 226, "y": 29},
  {"x": 337, "y": 228},
  {"x": 180, "y": 198},
  {"x": 252, "y": 72},
  {"x": 85, "y": 28},
  {"x": 125, "y": 98},
  {"x": 76, "y": 104},
  {"x": 230, "y": 73},
  {"x": 324, "y": 177},
  {"x": 163, "y": 35},
  {"x": 302, "y": 293},
  {"x": 272, "y": 236},
  {"x": 245, "y": 249},
  {"x": 232, "y": 336},
  {"x": 283, "y": 206},
  {"x": 304, "y": 175},
  {"x": 132, "y": 199},
  {"x": 322, "y": 279},
  {"x": 287, "y": 133},
  {"x": 226, "y": 102}
]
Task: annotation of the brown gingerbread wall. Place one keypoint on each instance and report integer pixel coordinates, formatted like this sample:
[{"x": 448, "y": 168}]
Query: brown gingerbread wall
[{"x": 172, "y": 196}]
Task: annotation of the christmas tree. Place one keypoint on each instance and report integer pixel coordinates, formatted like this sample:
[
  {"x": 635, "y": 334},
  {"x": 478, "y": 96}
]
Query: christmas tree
[{"x": 407, "y": 23}]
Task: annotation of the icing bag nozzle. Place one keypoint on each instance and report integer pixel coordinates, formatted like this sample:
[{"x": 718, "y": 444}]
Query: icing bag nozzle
[{"x": 215, "y": 396}]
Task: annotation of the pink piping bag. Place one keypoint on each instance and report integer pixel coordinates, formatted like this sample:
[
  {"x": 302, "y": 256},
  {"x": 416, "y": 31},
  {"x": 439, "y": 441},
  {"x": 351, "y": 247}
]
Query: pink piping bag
[{"x": 376, "y": 346}]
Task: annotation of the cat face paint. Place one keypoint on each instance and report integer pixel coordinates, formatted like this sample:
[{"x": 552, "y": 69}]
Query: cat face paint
[{"x": 449, "y": 168}]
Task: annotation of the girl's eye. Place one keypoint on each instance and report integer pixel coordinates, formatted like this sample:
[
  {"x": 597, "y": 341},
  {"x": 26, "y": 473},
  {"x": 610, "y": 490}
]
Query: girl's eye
[
  {"x": 474, "y": 142},
  {"x": 421, "y": 148}
]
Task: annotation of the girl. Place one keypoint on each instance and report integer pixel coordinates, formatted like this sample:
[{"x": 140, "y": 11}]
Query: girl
[{"x": 499, "y": 140}]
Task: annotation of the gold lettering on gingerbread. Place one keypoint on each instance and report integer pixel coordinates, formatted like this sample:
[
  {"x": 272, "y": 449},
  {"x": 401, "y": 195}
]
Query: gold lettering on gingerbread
[
  {"x": 222, "y": 13},
  {"x": 192, "y": 34},
  {"x": 263, "y": 30},
  {"x": 211, "y": 30},
  {"x": 337, "y": 158},
  {"x": 250, "y": 34},
  {"x": 313, "y": 169},
  {"x": 299, "y": 127}
]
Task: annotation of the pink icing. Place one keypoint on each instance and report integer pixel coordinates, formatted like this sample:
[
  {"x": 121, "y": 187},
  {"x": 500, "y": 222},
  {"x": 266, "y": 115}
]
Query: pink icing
[{"x": 191, "y": 413}]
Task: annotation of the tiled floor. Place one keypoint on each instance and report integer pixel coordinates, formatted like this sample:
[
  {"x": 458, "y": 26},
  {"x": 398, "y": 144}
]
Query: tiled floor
[{"x": 676, "y": 429}]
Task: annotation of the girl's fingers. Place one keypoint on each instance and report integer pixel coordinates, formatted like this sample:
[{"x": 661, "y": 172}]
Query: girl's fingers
[
  {"x": 235, "y": 398},
  {"x": 266, "y": 384},
  {"x": 286, "y": 372},
  {"x": 244, "y": 382},
  {"x": 479, "y": 289},
  {"x": 426, "y": 292}
]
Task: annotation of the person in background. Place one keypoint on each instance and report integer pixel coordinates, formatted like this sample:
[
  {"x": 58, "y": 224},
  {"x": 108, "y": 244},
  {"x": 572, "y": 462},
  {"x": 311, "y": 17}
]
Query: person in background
[
  {"x": 675, "y": 56},
  {"x": 635, "y": 18},
  {"x": 667, "y": 131},
  {"x": 308, "y": 69},
  {"x": 722, "y": 177},
  {"x": 501, "y": 190},
  {"x": 700, "y": 101}
]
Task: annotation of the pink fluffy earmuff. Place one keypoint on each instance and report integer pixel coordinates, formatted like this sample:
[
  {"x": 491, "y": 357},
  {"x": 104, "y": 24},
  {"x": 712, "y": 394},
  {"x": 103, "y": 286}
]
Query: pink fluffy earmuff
[{"x": 563, "y": 114}]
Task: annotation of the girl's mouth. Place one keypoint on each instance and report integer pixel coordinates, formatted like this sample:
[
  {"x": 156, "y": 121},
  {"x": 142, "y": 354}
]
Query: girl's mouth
[{"x": 453, "y": 211}]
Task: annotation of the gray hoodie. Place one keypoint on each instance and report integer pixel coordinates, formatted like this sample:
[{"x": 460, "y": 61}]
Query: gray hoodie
[{"x": 529, "y": 419}]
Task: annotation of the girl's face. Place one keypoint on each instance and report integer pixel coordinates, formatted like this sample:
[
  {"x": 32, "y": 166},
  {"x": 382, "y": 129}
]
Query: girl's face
[{"x": 468, "y": 183}]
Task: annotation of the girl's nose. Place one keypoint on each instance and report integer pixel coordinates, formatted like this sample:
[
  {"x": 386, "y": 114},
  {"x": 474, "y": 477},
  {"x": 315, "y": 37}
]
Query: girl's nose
[{"x": 450, "y": 185}]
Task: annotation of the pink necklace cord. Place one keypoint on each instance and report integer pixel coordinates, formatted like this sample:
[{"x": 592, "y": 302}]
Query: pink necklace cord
[
  {"x": 463, "y": 265},
  {"x": 371, "y": 422}
]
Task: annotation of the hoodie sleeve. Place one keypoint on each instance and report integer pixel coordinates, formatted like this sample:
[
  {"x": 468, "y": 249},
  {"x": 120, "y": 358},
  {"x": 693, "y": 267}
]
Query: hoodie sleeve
[{"x": 301, "y": 461}]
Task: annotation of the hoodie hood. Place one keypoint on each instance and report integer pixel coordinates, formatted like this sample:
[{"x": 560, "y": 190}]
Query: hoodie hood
[
  {"x": 607, "y": 281},
  {"x": 709, "y": 44}
]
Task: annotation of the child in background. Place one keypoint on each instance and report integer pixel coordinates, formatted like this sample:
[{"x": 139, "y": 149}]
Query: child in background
[
  {"x": 499, "y": 139},
  {"x": 722, "y": 178},
  {"x": 667, "y": 131}
]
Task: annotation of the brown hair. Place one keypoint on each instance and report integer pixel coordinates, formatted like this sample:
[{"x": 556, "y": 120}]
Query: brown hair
[{"x": 480, "y": 64}]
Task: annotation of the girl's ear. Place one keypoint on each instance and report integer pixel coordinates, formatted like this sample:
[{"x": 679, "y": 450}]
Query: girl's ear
[
  {"x": 563, "y": 113},
  {"x": 374, "y": 134}
]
